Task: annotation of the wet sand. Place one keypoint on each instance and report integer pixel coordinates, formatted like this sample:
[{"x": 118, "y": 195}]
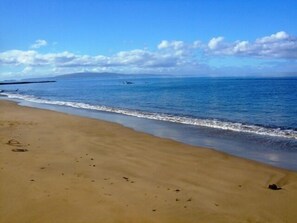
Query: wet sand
[{"x": 56, "y": 167}]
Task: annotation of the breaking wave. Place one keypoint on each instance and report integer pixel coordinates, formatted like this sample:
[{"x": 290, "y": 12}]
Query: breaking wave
[{"x": 211, "y": 123}]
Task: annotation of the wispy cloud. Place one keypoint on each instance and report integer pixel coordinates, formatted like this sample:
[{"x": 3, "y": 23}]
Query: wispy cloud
[{"x": 38, "y": 43}]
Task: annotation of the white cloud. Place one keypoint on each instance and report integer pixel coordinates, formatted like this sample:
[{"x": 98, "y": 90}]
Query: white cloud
[
  {"x": 139, "y": 58},
  {"x": 169, "y": 56},
  {"x": 274, "y": 37},
  {"x": 278, "y": 45},
  {"x": 176, "y": 45},
  {"x": 241, "y": 46},
  {"x": 18, "y": 57},
  {"x": 215, "y": 42},
  {"x": 38, "y": 43},
  {"x": 164, "y": 44}
]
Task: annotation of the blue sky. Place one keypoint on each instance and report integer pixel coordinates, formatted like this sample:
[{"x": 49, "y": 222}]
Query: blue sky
[{"x": 203, "y": 38}]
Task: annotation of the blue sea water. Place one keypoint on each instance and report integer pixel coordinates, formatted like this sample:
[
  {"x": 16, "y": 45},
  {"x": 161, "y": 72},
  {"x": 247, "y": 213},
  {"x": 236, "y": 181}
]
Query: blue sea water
[{"x": 251, "y": 117}]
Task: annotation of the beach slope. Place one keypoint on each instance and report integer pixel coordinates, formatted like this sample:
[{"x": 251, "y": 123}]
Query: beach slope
[{"x": 57, "y": 168}]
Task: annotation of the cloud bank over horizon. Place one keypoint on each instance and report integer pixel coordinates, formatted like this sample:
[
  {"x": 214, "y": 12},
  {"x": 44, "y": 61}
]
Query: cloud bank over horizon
[{"x": 168, "y": 57}]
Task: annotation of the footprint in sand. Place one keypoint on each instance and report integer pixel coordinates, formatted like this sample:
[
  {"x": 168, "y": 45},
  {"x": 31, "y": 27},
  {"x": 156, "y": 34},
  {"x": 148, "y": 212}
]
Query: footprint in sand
[
  {"x": 14, "y": 142},
  {"x": 19, "y": 150}
]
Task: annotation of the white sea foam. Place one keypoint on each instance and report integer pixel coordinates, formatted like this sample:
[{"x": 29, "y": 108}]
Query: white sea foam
[{"x": 211, "y": 123}]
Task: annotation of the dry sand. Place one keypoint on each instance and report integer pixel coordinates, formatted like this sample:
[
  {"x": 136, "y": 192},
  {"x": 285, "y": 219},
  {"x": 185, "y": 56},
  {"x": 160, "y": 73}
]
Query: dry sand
[{"x": 83, "y": 170}]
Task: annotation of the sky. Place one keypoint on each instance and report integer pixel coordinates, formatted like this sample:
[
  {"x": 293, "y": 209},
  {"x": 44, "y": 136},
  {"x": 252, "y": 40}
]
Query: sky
[{"x": 177, "y": 37}]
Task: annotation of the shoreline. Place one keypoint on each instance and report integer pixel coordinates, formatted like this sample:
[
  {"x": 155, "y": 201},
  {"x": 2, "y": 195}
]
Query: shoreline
[
  {"x": 245, "y": 145},
  {"x": 85, "y": 170},
  {"x": 24, "y": 82}
]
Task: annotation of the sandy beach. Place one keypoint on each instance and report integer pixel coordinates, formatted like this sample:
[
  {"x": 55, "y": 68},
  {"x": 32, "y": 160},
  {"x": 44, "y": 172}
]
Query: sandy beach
[{"x": 56, "y": 167}]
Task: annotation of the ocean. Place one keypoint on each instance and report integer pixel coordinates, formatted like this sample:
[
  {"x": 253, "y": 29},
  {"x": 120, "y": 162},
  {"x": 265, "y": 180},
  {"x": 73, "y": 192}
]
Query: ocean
[{"x": 254, "y": 118}]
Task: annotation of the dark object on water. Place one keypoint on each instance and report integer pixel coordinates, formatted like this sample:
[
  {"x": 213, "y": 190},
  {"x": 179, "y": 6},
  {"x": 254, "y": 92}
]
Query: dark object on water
[
  {"x": 25, "y": 82},
  {"x": 128, "y": 82},
  {"x": 274, "y": 187}
]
